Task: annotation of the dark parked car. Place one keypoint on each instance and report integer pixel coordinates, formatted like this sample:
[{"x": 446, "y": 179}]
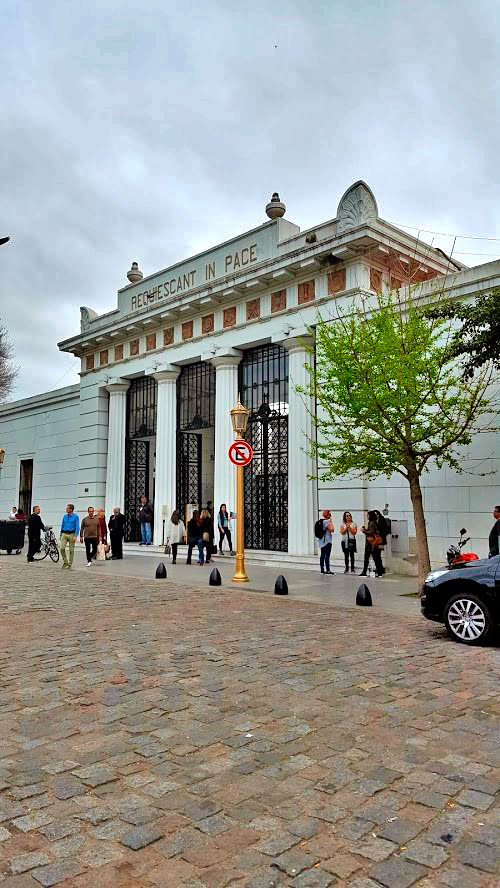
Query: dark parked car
[{"x": 466, "y": 598}]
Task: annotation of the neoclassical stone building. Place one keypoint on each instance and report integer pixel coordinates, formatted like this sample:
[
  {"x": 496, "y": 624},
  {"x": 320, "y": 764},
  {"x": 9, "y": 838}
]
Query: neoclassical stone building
[{"x": 160, "y": 373}]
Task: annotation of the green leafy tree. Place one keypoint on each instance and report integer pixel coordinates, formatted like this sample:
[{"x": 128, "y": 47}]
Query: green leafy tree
[
  {"x": 477, "y": 341},
  {"x": 390, "y": 398}
]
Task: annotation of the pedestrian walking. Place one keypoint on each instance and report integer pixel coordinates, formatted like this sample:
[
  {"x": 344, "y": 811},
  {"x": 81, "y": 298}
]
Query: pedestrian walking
[
  {"x": 493, "y": 539},
  {"x": 116, "y": 526},
  {"x": 70, "y": 526},
  {"x": 224, "y": 525},
  {"x": 146, "y": 521},
  {"x": 176, "y": 533},
  {"x": 207, "y": 534},
  {"x": 373, "y": 541},
  {"x": 35, "y": 526},
  {"x": 348, "y": 531},
  {"x": 195, "y": 537},
  {"x": 102, "y": 542},
  {"x": 89, "y": 534},
  {"x": 323, "y": 530}
]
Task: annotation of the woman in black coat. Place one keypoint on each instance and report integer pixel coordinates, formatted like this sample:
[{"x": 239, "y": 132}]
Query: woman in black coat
[{"x": 116, "y": 526}]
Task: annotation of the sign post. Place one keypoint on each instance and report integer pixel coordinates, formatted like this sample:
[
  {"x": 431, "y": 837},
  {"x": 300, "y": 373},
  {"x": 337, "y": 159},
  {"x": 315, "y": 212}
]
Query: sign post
[{"x": 240, "y": 454}]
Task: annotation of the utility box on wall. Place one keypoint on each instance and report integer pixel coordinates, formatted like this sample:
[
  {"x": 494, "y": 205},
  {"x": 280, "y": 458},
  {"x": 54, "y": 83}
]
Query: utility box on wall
[{"x": 399, "y": 538}]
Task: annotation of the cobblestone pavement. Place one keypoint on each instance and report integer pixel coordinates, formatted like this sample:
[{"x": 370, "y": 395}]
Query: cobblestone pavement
[{"x": 153, "y": 735}]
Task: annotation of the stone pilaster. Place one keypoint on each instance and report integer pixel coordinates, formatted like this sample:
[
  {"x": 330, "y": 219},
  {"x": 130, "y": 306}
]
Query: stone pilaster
[
  {"x": 115, "y": 466},
  {"x": 301, "y": 490},
  {"x": 166, "y": 447},
  {"x": 226, "y": 396}
]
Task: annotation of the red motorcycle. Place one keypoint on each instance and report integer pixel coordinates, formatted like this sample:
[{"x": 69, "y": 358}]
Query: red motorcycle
[{"x": 455, "y": 556}]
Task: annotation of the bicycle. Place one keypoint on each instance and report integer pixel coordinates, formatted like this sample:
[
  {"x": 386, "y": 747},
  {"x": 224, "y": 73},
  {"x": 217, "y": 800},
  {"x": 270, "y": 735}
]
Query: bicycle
[{"x": 48, "y": 546}]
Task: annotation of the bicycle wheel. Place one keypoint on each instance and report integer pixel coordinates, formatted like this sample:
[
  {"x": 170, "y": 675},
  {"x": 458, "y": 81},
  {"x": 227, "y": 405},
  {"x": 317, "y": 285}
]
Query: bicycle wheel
[
  {"x": 44, "y": 551},
  {"x": 54, "y": 552}
]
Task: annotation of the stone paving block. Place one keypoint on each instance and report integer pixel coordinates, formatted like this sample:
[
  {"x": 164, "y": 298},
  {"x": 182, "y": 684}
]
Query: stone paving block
[
  {"x": 96, "y": 815},
  {"x": 31, "y": 821},
  {"x": 180, "y": 841},
  {"x": 313, "y": 878},
  {"x": 354, "y": 827},
  {"x": 95, "y": 775},
  {"x": 57, "y": 872},
  {"x": 68, "y": 847},
  {"x": 458, "y": 876},
  {"x": 397, "y": 873},
  {"x": 473, "y": 799},
  {"x": 67, "y": 787},
  {"x": 373, "y": 848},
  {"x": 59, "y": 829},
  {"x": 4, "y": 834},
  {"x": 141, "y": 836},
  {"x": 97, "y": 857},
  {"x": 425, "y": 853},
  {"x": 483, "y": 857},
  {"x": 263, "y": 879},
  {"x": 24, "y": 862},
  {"x": 215, "y": 824},
  {"x": 293, "y": 862},
  {"x": 277, "y": 844},
  {"x": 400, "y": 830},
  {"x": 140, "y": 816}
]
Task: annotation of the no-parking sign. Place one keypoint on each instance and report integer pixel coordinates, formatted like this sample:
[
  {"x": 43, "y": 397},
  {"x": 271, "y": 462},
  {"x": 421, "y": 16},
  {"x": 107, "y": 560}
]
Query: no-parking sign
[{"x": 240, "y": 453}]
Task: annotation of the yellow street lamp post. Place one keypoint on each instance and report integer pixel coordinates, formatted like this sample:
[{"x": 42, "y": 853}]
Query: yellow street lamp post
[{"x": 239, "y": 419}]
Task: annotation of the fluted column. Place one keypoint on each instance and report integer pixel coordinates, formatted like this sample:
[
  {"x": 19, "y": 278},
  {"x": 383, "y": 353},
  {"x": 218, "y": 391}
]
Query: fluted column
[
  {"x": 166, "y": 448},
  {"x": 226, "y": 396},
  {"x": 301, "y": 490},
  {"x": 117, "y": 429}
]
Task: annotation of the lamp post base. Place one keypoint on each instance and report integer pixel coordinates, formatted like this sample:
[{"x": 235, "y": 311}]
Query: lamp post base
[{"x": 240, "y": 574}]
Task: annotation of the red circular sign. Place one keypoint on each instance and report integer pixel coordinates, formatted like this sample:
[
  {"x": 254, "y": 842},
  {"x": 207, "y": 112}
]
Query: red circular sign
[{"x": 240, "y": 453}]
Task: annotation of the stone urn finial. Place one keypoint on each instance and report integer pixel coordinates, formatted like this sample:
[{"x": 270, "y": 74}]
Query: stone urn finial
[
  {"x": 275, "y": 208},
  {"x": 135, "y": 274}
]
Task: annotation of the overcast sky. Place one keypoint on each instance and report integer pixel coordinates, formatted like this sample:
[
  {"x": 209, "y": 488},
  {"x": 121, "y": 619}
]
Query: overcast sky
[{"x": 152, "y": 130}]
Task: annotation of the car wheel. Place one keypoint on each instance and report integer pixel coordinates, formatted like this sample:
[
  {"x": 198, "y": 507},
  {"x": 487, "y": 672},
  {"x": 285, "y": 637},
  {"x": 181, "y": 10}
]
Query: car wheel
[{"x": 468, "y": 619}]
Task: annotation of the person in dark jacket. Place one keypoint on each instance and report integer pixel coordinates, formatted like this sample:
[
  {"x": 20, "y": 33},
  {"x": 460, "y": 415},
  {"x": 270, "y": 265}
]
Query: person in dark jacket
[
  {"x": 35, "y": 526},
  {"x": 195, "y": 537},
  {"x": 372, "y": 545},
  {"x": 207, "y": 533},
  {"x": 146, "y": 521},
  {"x": 116, "y": 525},
  {"x": 494, "y": 537}
]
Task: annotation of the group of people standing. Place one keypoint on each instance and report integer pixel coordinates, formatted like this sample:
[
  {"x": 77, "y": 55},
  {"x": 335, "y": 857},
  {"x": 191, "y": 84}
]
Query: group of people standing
[
  {"x": 200, "y": 533},
  {"x": 93, "y": 531},
  {"x": 375, "y": 533}
]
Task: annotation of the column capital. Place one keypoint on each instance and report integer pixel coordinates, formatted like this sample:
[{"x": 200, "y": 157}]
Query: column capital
[
  {"x": 117, "y": 385},
  {"x": 231, "y": 357},
  {"x": 168, "y": 373},
  {"x": 298, "y": 343}
]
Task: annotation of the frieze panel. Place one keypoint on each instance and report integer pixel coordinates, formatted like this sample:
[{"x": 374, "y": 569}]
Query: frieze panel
[
  {"x": 119, "y": 352},
  {"x": 168, "y": 336},
  {"x": 336, "y": 281},
  {"x": 89, "y": 363},
  {"x": 278, "y": 301},
  {"x": 207, "y": 324},
  {"x": 306, "y": 292},
  {"x": 229, "y": 317},
  {"x": 253, "y": 309},
  {"x": 187, "y": 330},
  {"x": 150, "y": 342},
  {"x": 134, "y": 347},
  {"x": 103, "y": 357}
]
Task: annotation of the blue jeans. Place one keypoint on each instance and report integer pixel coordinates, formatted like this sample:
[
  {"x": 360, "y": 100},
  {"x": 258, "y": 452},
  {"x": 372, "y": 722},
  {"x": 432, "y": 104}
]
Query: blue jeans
[
  {"x": 191, "y": 545},
  {"x": 146, "y": 536},
  {"x": 324, "y": 560}
]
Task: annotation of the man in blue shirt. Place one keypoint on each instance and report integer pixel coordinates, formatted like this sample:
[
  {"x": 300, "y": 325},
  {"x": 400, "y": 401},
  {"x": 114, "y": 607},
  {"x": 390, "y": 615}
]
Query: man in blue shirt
[{"x": 69, "y": 534}]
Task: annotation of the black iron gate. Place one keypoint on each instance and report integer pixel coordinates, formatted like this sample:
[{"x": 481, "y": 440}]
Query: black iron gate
[
  {"x": 141, "y": 423},
  {"x": 136, "y": 482},
  {"x": 195, "y": 411},
  {"x": 264, "y": 390}
]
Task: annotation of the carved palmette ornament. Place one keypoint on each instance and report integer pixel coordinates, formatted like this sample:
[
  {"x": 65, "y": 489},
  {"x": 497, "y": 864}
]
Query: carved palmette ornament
[{"x": 357, "y": 207}]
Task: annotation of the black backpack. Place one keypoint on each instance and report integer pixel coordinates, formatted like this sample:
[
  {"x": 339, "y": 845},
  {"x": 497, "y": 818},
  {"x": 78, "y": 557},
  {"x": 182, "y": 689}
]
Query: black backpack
[{"x": 319, "y": 530}]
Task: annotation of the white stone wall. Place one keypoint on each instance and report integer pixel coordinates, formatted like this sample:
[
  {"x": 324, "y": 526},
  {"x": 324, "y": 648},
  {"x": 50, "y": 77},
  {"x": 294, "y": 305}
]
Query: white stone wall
[{"x": 46, "y": 429}]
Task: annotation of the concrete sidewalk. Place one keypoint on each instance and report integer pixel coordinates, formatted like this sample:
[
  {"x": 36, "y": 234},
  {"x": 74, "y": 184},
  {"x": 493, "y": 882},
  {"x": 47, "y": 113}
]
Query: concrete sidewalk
[{"x": 391, "y": 594}]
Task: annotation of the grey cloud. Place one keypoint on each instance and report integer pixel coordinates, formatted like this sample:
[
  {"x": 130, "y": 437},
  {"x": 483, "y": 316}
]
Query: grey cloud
[{"x": 153, "y": 130}]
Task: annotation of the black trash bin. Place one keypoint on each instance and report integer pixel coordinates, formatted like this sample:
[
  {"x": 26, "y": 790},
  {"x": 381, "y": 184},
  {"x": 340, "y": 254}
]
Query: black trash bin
[{"x": 12, "y": 536}]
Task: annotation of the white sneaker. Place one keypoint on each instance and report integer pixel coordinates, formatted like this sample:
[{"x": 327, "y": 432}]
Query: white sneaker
[{"x": 89, "y": 564}]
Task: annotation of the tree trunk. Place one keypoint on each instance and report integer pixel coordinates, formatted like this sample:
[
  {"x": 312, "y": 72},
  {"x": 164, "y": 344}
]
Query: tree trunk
[{"x": 424, "y": 564}]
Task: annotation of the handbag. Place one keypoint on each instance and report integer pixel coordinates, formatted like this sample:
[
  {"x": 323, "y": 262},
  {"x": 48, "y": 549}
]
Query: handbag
[
  {"x": 168, "y": 548},
  {"x": 374, "y": 539},
  {"x": 206, "y": 536},
  {"x": 101, "y": 552}
]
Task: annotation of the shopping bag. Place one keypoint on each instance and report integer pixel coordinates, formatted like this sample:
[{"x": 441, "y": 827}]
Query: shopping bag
[{"x": 101, "y": 552}]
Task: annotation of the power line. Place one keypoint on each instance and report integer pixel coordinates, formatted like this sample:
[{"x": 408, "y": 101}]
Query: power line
[{"x": 446, "y": 233}]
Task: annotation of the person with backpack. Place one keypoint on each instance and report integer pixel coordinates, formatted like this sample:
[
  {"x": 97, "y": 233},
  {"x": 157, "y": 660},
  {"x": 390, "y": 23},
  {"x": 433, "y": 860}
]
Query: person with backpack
[
  {"x": 323, "y": 530},
  {"x": 373, "y": 541}
]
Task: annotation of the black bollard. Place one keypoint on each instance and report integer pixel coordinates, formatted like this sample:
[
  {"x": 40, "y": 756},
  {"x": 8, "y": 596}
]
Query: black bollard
[
  {"x": 281, "y": 586},
  {"x": 214, "y": 578},
  {"x": 363, "y": 596},
  {"x": 161, "y": 572}
]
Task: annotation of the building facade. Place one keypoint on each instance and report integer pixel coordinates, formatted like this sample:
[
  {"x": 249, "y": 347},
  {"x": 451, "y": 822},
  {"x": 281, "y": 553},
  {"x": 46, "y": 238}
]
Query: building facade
[{"x": 161, "y": 372}]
